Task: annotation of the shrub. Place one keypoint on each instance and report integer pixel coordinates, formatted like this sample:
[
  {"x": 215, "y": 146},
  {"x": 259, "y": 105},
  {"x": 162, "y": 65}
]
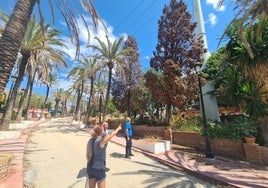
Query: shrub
[
  {"x": 181, "y": 123},
  {"x": 219, "y": 130},
  {"x": 235, "y": 129}
]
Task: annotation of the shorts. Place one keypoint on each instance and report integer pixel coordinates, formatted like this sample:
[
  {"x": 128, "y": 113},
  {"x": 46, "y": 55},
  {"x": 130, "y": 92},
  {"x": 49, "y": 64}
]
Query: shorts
[{"x": 98, "y": 174}]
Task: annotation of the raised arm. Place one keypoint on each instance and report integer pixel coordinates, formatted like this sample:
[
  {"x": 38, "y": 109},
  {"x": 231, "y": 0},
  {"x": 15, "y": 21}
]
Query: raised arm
[{"x": 108, "y": 137}]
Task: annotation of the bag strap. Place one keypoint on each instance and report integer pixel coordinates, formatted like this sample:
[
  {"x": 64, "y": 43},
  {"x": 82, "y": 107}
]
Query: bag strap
[{"x": 92, "y": 156}]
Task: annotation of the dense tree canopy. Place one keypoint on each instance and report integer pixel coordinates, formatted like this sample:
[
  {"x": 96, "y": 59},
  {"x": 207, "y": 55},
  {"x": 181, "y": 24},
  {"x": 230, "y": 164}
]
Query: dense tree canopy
[
  {"x": 132, "y": 75},
  {"x": 171, "y": 79}
]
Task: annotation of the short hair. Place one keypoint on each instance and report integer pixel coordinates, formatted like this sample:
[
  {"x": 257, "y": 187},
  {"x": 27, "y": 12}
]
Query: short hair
[
  {"x": 96, "y": 131},
  {"x": 105, "y": 123}
]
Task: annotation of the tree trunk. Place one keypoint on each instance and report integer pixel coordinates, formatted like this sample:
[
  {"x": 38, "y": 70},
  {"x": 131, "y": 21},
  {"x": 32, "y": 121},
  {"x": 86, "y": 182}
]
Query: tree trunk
[
  {"x": 79, "y": 97},
  {"x": 263, "y": 131},
  {"x": 168, "y": 115},
  {"x": 89, "y": 101},
  {"x": 12, "y": 36},
  {"x": 31, "y": 82},
  {"x": 107, "y": 95},
  {"x": 26, "y": 54},
  {"x": 10, "y": 105}
]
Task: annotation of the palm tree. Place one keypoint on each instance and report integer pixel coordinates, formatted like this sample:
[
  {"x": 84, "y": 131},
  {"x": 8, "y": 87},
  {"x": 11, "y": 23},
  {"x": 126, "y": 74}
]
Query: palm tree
[
  {"x": 91, "y": 67},
  {"x": 242, "y": 80},
  {"x": 45, "y": 52},
  {"x": 49, "y": 82},
  {"x": 112, "y": 56},
  {"x": 58, "y": 98},
  {"x": 248, "y": 11},
  {"x": 31, "y": 42},
  {"x": 14, "y": 31},
  {"x": 99, "y": 91},
  {"x": 79, "y": 75}
]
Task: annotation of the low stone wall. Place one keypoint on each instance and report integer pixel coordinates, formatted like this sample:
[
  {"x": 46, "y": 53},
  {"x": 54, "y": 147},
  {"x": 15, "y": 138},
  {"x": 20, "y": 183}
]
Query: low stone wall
[
  {"x": 256, "y": 154},
  {"x": 143, "y": 131},
  {"x": 226, "y": 147},
  {"x": 189, "y": 139}
]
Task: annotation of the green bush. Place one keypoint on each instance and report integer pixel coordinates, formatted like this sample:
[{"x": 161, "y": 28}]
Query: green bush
[
  {"x": 216, "y": 130},
  {"x": 246, "y": 127},
  {"x": 236, "y": 129},
  {"x": 179, "y": 123}
]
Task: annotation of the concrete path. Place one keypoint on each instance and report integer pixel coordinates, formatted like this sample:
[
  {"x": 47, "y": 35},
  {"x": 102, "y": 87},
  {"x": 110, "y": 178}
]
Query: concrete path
[{"x": 228, "y": 172}]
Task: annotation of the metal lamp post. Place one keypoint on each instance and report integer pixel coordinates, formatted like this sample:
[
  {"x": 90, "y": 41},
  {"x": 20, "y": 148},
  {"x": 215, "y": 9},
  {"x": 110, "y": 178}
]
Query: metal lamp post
[
  {"x": 209, "y": 153},
  {"x": 128, "y": 99}
]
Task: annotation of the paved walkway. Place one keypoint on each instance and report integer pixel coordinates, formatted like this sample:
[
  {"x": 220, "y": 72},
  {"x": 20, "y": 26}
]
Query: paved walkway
[
  {"x": 232, "y": 173},
  {"x": 229, "y": 172}
]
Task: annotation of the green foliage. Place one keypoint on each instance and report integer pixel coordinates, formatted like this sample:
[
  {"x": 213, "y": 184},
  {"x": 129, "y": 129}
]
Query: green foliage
[
  {"x": 236, "y": 129},
  {"x": 222, "y": 131},
  {"x": 179, "y": 123},
  {"x": 238, "y": 79},
  {"x": 141, "y": 121},
  {"x": 255, "y": 107},
  {"x": 245, "y": 127}
]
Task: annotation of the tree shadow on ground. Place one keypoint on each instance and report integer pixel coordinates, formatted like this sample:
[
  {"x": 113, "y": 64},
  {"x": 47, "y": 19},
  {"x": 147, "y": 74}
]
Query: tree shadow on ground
[{"x": 82, "y": 173}]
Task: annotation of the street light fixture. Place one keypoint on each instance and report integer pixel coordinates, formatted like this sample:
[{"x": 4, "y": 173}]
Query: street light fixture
[
  {"x": 128, "y": 98},
  {"x": 209, "y": 153}
]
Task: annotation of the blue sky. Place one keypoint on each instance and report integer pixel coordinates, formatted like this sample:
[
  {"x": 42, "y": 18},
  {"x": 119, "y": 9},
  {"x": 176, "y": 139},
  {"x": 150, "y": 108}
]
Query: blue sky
[{"x": 137, "y": 18}]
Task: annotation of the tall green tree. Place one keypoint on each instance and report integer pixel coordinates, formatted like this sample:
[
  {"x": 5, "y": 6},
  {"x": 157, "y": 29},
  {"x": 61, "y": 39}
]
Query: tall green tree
[
  {"x": 47, "y": 55},
  {"x": 240, "y": 80},
  {"x": 130, "y": 77},
  {"x": 248, "y": 12},
  {"x": 79, "y": 75},
  {"x": 14, "y": 31},
  {"x": 112, "y": 56},
  {"x": 171, "y": 79},
  {"x": 89, "y": 66},
  {"x": 48, "y": 82},
  {"x": 238, "y": 77}
]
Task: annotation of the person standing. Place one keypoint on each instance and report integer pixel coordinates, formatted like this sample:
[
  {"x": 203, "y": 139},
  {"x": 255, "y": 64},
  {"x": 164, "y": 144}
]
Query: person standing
[
  {"x": 128, "y": 135},
  {"x": 105, "y": 128},
  {"x": 96, "y": 156}
]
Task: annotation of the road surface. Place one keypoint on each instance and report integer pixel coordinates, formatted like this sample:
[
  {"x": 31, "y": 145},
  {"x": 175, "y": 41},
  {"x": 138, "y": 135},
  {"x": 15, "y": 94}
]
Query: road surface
[{"x": 55, "y": 158}]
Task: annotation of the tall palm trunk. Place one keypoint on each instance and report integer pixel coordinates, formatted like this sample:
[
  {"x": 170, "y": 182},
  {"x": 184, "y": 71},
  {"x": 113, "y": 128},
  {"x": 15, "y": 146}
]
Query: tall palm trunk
[
  {"x": 31, "y": 82},
  {"x": 89, "y": 100},
  {"x": 107, "y": 94},
  {"x": 8, "y": 114},
  {"x": 12, "y": 36},
  {"x": 47, "y": 93},
  {"x": 78, "y": 102},
  {"x": 21, "y": 104},
  {"x": 26, "y": 54}
]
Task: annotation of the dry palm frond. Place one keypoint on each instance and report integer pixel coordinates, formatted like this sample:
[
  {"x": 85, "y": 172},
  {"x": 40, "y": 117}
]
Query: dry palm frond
[{"x": 257, "y": 72}]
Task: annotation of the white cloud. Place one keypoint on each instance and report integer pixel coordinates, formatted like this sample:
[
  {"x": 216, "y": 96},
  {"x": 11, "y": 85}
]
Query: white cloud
[
  {"x": 215, "y": 4},
  {"x": 84, "y": 39},
  {"x": 213, "y": 19},
  {"x": 147, "y": 57}
]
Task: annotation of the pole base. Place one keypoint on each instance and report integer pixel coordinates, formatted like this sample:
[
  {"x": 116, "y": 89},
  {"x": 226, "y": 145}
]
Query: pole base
[{"x": 209, "y": 155}]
